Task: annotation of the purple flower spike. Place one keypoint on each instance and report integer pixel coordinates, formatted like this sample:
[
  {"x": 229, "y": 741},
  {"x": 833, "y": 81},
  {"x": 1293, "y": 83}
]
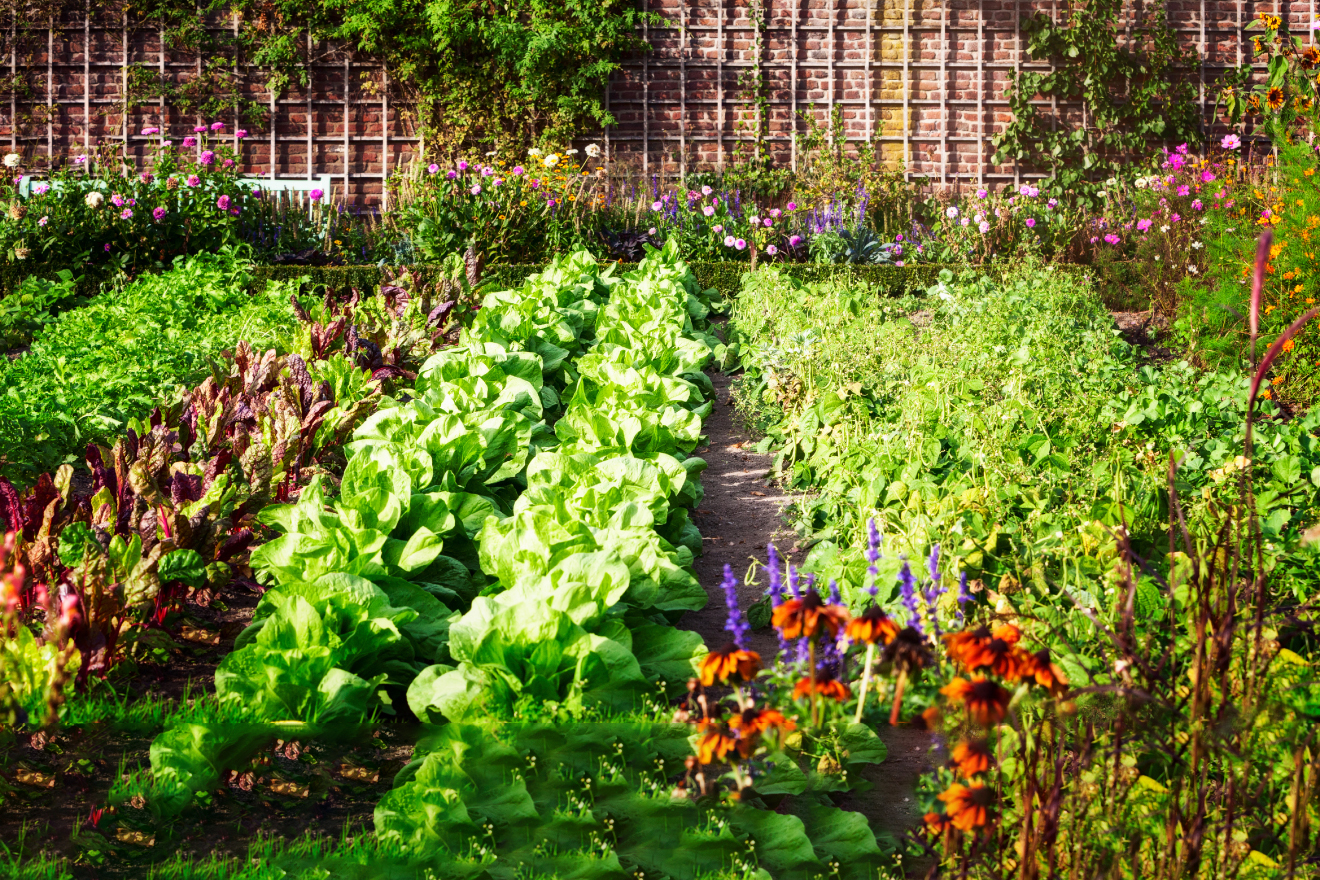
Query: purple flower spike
[
  {"x": 933, "y": 563},
  {"x": 835, "y": 598},
  {"x": 793, "y": 583},
  {"x": 737, "y": 624},
  {"x": 776, "y": 588},
  {"x": 964, "y": 595},
  {"x": 908, "y": 591},
  {"x": 872, "y": 556}
]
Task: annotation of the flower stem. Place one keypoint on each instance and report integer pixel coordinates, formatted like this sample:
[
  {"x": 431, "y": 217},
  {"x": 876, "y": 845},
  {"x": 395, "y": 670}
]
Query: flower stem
[
  {"x": 866, "y": 680},
  {"x": 898, "y": 697}
]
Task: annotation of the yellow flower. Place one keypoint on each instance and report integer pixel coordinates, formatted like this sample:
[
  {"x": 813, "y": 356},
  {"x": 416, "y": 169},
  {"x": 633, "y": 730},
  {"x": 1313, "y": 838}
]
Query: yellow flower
[{"x": 523, "y": 203}]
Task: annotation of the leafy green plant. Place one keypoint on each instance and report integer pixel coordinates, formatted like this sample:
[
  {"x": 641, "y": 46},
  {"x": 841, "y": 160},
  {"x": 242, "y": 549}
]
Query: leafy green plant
[{"x": 36, "y": 302}]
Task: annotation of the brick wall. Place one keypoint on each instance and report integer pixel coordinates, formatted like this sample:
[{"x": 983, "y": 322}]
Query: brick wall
[{"x": 923, "y": 79}]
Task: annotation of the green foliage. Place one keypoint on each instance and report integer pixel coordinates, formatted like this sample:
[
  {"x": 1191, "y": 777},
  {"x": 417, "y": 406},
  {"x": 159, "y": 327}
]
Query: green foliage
[
  {"x": 93, "y": 368},
  {"x": 1134, "y": 96},
  {"x": 35, "y": 304}
]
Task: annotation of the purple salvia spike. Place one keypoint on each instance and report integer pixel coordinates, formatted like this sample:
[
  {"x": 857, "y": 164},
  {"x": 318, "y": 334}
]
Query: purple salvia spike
[
  {"x": 793, "y": 582},
  {"x": 908, "y": 591},
  {"x": 964, "y": 596},
  {"x": 835, "y": 598},
  {"x": 737, "y": 625}
]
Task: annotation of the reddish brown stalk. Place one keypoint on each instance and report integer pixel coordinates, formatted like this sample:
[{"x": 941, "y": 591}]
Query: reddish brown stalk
[{"x": 898, "y": 697}]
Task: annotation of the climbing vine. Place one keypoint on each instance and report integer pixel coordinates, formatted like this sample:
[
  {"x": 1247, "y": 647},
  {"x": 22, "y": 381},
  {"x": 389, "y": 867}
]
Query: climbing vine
[{"x": 1133, "y": 81}]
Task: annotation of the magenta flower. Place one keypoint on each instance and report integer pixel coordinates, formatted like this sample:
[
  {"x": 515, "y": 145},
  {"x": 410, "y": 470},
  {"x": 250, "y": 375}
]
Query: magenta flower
[
  {"x": 229, "y": 163},
  {"x": 729, "y": 241},
  {"x": 462, "y": 165},
  {"x": 1175, "y": 218},
  {"x": 476, "y": 189},
  {"x": 316, "y": 195},
  {"x": 41, "y": 188},
  {"x": 193, "y": 180},
  {"x": 708, "y": 211},
  {"x": 980, "y": 193},
  {"x": 451, "y": 174},
  {"x": 519, "y": 171},
  {"x": 1111, "y": 238},
  {"x": 151, "y": 130},
  {"x": 487, "y": 171},
  {"x": 767, "y": 222},
  {"x": 241, "y": 133},
  {"x": 190, "y": 141},
  {"x": 898, "y": 237},
  {"x": 791, "y": 206},
  {"x": 740, "y": 244},
  {"x": 207, "y": 157},
  {"x": 1184, "y": 190},
  {"x": 117, "y": 200},
  {"x": 1031, "y": 222},
  {"x": 984, "y": 227},
  {"x": 1207, "y": 176},
  {"x": 126, "y": 214},
  {"x": 1231, "y": 142},
  {"x": 145, "y": 177},
  {"x": 1143, "y": 225},
  {"x": 794, "y": 240},
  {"x": 222, "y": 203},
  {"x": 167, "y": 143},
  {"x": 771, "y": 250},
  {"x": 432, "y": 168},
  {"x": 198, "y": 129},
  {"x": 217, "y": 126},
  {"x": 1197, "y": 205},
  {"x": 159, "y": 214}
]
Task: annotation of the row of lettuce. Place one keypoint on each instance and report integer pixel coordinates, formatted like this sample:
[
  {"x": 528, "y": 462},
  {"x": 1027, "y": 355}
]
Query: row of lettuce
[{"x": 506, "y": 553}]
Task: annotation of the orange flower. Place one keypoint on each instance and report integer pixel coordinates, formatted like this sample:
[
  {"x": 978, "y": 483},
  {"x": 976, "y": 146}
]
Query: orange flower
[
  {"x": 966, "y": 643},
  {"x": 968, "y": 806},
  {"x": 808, "y": 616},
  {"x": 972, "y": 756},
  {"x": 1047, "y": 675},
  {"x": 986, "y": 701},
  {"x": 930, "y": 719},
  {"x": 1287, "y": 345},
  {"x": 871, "y": 627},
  {"x": 995, "y": 651},
  {"x": 716, "y": 742},
  {"x": 824, "y": 684},
  {"x": 758, "y": 721},
  {"x": 728, "y": 661},
  {"x": 938, "y": 823}
]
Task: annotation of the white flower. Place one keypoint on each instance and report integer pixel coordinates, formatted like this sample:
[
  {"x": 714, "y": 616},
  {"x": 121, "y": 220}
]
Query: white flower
[
  {"x": 1157, "y": 258},
  {"x": 570, "y": 152},
  {"x": 491, "y": 153},
  {"x": 1141, "y": 182},
  {"x": 1102, "y": 194},
  {"x": 1164, "y": 228},
  {"x": 533, "y": 152},
  {"x": 94, "y": 199},
  {"x": 1113, "y": 181},
  {"x": 1205, "y": 220},
  {"x": 1191, "y": 269},
  {"x": 593, "y": 150},
  {"x": 1196, "y": 245},
  {"x": 12, "y": 160},
  {"x": 551, "y": 161},
  {"x": 952, "y": 213}
]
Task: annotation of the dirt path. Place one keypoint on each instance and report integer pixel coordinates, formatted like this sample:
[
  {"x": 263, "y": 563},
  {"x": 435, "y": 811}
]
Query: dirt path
[{"x": 741, "y": 513}]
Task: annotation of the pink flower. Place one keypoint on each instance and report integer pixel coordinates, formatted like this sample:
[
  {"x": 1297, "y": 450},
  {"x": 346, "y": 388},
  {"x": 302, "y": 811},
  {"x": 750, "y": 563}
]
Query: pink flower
[
  {"x": 776, "y": 213},
  {"x": 462, "y": 165},
  {"x": 767, "y": 222},
  {"x": 241, "y": 133},
  {"x": 519, "y": 171},
  {"x": 1031, "y": 222},
  {"x": 1143, "y": 225},
  {"x": 229, "y": 163},
  {"x": 126, "y": 214},
  {"x": 772, "y": 250},
  {"x": 217, "y": 126},
  {"x": 452, "y": 174},
  {"x": 159, "y": 214},
  {"x": 107, "y": 247},
  {"x": 1175, "y": 218},
  {"x": 151, "y": 130},
  {"x": 1184, "y": 190},
  {"x": 145, "y": 177},
  {"x": 41, "y": 189},
  {"x": 535, "y": 183},
  {"x": 740, "y": 244},
  {"x": 708, "y": 211},
  {"x": 432, "y": 168},
  {"x": 1207, "y": 176},
  {"x": 794, "y": 240},
  {"x": 193, "y": 180},
  {"x": 1111, "y": 238},
  {"x": 167, "y": 143},
  {"x": 898, "y": 237},
  {"x": 1231, "y": 142},
  {"x": 705, "y": 190},
  {"x": 117, "y": 200},
  {"x": 207, "y": 157},
  {"x": 476, "y": 189},
  {"x": 222, "y": 203},
  {"x": 656, "y": 206},
  {"x": 1197, "y": 205},
  {"x": 980, "y": 193},
  {"x": 190, "y": 141},
  {"x": 487, "y": 171},
  {"x": 79, "y": 160},
  {"x": 717, "y": 229},
  {"x": 984, "y": 227},
  {"x": 791, "y": 206},
  {"x": 198, "y": 129},
  {"x": 43, "y": 221},
  {"x": 316, "y": 195},
  {"x": 729, "y": 241}
]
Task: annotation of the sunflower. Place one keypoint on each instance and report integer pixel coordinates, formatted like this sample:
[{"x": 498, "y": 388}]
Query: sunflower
[
  {"x": 808, "y": 616},
  {"x": 985, "y": 700},
  {"x": 968, "y": 806},
  {"x": 971, "y": 756},
  {"x": 1274, "y": 97},
  {"x": 1310, "y": 57},
  {"x": 824, "y": 684},
  {"x": 728, "y": 661},
  {"x": 716, "y": 742},
  {"x": 871, "y": 627}
]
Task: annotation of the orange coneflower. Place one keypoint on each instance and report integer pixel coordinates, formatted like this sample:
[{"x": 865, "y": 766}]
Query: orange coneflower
[
  {"x": 728, "y": 661},
  {"x": 931, "y": 718},
  {"x": 754, "y": 722},
  {"x": 985, "y": 700},
  {"x": 972, "y": 756},
  {"x": 968, "y": 642},
  {"x": 716, "y": 742},
  {"x": 1274, "y": 97},
  {"x": 1047, "y": 675},
  {"x": 938, "y": 823},
  {"x": 995, "y": 651},
  {"x": 824, "y": 684},
  {"x": 808, "y": 616},
  {"x": 871, "y": 627},
  {"x": 969, "y": 806}
]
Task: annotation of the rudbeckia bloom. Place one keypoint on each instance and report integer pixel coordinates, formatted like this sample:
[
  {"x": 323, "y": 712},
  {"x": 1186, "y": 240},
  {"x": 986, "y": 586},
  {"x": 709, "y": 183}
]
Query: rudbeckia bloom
[
  {"x": 823, "y": 684},
  {"x": 968, "y": 806},
  {"x": 1274, "y": 97},
  {"x": 760, "y": 721},
  {"x": 715, "y": 744},
  {"x": 985, "y": 700},
  {"x": 728, "y": 661},
  {"x": 871, "y": 627},
  {"x": 808, "y": 616},
  {"x": 1046, "y": 674},
  {"x": 971, "y": 756},
  {"x": 938, "y": 823}
]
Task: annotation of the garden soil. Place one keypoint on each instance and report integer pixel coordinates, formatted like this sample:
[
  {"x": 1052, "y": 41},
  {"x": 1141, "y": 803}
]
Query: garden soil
[{"x": 743, "y": 511}]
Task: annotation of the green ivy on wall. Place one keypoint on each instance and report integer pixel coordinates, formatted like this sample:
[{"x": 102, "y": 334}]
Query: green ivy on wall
[{"x": 1133, "y": 80}]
